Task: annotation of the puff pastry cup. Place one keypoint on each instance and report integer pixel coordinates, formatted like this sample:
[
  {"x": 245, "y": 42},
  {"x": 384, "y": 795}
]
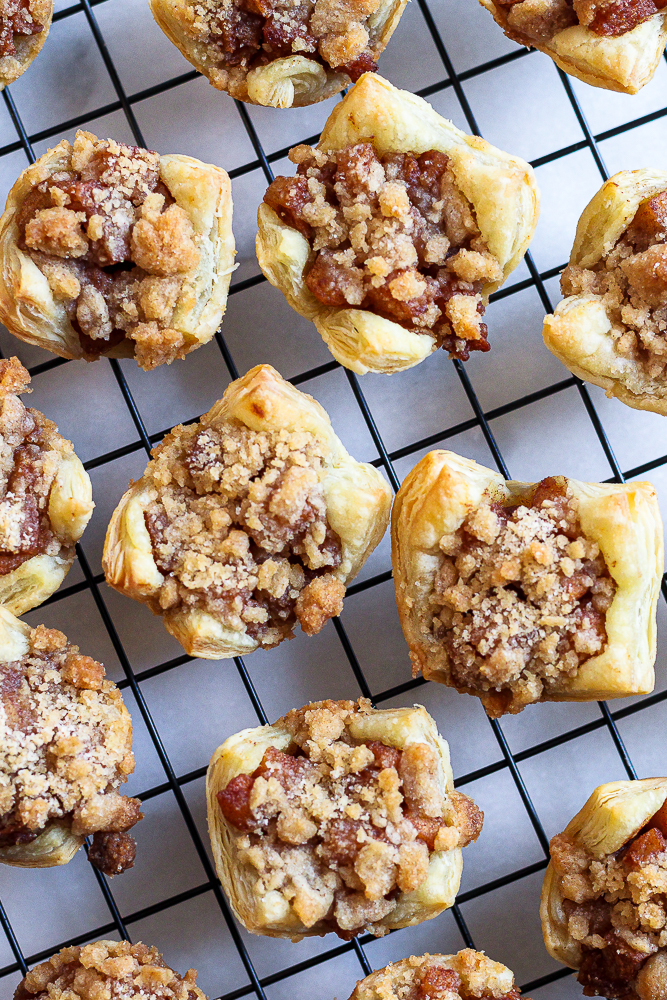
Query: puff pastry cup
[
  {"x": 396, "y": 230},
  {"x": 45, "y": 498},
  {"x": 525, "y": 592},
  {"x": 65, "y": 747},
  {"x": 108, "y": 968},
  {"x": 613, "y": 44},
  {"x": 25, "y": 27},
  {"x": 610, "y": 327},
  {"x": 338, "y": 817},
  {"x": 246, "y": 522},
  {"x": 468, "y": 974},
  {"x": 112, "y": 250},
  {"x": 278, "y": 54},
  {"x": 602, "y": 904}
]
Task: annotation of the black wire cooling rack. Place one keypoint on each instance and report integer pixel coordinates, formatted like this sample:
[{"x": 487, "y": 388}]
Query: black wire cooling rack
[{"x": 508, "y": 761}]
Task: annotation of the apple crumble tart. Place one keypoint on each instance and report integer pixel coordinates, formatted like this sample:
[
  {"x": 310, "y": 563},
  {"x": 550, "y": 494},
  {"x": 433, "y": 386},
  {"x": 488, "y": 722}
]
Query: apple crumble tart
[
  {"x": 24, "y": 25},
  {"x": 106, "y": 969},
  {"x": 253, "y": 519},
  {"x": 517, "y": 592},
  {"x": 65, "y": 747},
  {"x": 468, "y": 975},
  {"x": 604, "y": 903},
  {"x": 539, "y": 20},
  {"x": 339, "y": 817},
  {"x": 280, "y": 53},
  {"x": 45, "y": 498},
  {"x": 111, "y": 250}
]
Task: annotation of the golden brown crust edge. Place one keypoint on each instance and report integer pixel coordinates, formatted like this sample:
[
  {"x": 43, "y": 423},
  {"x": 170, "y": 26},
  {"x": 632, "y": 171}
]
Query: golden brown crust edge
[
  {"x": 480, "y": 975},
  {"x": 27, "y": 48}
]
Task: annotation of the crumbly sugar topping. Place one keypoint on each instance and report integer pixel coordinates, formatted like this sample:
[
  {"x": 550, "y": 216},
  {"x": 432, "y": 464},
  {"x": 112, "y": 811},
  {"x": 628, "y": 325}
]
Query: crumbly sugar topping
[
  {"x": 106, "y": 209},
  {"x": 108, "y": 970},
  {"x": 65, "y": 744},
  {"x": 632, "y": 282},
  {"x": 242, "y": 35},
  {"x": 19, "y": 19},
  {"x": 520, "y": 598},
  {"x": 30, "y": 453},
  {"x": 239, "y": 527},
  {"x": 393, "y": 234},
  {"x": 338, "y": 826},
  {"x": 616, "y": 909},
  {"x": 465, "y": 976},
  {"x": 537, "y": 21}
]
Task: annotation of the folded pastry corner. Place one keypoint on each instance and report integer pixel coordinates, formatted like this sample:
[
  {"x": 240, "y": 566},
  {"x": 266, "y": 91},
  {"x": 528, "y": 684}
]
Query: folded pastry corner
[
  {"x": 613, "y": 44},
  {"x": 247, "y": 522},
  {"x": 525, "y": 592},
  {"x": 66, "y": 747},
  {"x": 279, "y": 54},
  {"x": 25, "y": 27},
  {"x": 45, "y": 498},
  {"x": 338, "y": 817},
  {"x": 611, "y": 327},
  {"x": 395, "y": 230},
  {"x": 115, "y": 251},
  {"x": 468, "y": 975},
  {"x": 107, "y": 969},
  {"x": 602, "y": 904}
]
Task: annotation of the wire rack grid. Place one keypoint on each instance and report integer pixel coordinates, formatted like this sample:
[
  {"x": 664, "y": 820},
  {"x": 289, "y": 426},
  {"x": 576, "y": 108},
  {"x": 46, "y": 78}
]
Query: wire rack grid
[{"x": 505, "y": 755}]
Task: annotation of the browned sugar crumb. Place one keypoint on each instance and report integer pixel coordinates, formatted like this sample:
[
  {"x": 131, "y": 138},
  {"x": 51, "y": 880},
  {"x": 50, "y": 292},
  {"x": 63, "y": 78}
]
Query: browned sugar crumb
[
  {"x": 65, "y": 745},
  {"x": 537, "y": 21},
  {"x": 391, "y": 234},
  {"x": 520, "y": 599},
  {"x": 339, "y": 826},
  {"x": 467, "y": 975},
  {"x": 108, "y": 970},
  {"x": 110, "y": 208},
  {"x": 19, "y": 19},
  {"x": 632, "y": 282},
  {"x": 239, "y": 528},
  {"x": 30, "y": 453}
]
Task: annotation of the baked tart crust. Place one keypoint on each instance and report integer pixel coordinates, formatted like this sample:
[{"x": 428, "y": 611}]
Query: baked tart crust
[
  {"x": 30, "y": 21},
  {"x": 467, "y": 975}
]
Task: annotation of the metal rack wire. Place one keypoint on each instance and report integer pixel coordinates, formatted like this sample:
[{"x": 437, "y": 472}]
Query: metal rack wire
[{"x": 386, "y": 460}]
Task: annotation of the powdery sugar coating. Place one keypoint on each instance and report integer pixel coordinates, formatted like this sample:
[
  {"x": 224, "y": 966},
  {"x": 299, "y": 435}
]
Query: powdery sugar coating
[
  {"x": 239, "y": 528},
  {"x": 521, "y": 597},
  {"x": 108, "y": 970},
  {"x": 539, "y": 20}
]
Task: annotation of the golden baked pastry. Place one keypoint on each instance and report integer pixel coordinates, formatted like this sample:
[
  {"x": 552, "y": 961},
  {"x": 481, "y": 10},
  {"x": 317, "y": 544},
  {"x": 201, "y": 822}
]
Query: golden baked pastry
[
  {"x": 467, "y": 975},
  {"x": 115, "y": 251},
  {"x": 338, "y": 817},
  {"x": 610, "y": 329},
  {"x": 24, "y": 26},
  {"x": 108, "y": 968},
  {"x": 362, "y": 241},
  {"x": 603, "y": 898},
  {"x": 45, "y": 498},
  {"x": 613, "y": 44},
  {"x": 525, "y": 592},
  {"x": 277, "y": 53},
  {"x": 65, "y": 747},
  {"x": 247, "y": 522}
]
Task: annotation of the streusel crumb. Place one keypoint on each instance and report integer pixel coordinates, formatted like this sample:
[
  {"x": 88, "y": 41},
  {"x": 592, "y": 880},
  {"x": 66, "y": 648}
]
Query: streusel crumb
[{"x": 537, "y": 21}]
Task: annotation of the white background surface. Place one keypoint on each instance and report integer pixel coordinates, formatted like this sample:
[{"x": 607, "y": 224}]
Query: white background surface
[{"x": 521, "y": 106}]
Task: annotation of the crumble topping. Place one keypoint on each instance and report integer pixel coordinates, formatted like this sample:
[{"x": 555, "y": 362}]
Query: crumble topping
[
  {"x": 239, "y": 528},
  {"x": 616, "y": 908},
  {"x": 105, "y": 970},
  {"x": 65, "y": 745},
  {"x": 30, "y": 453},
  {"x": 19, "y": 19},
  {"x": 392, "y": 234},
  {"x": 340, "y": 827},
  {"x": 114, "y": 247},
  {"x": 632, "y": 283},
  {"x": 531, "y": 21},
  {"x": 520, "y": 599},
  {"x": 467, "y": 975},
  {"x": 242, "y": 35}
]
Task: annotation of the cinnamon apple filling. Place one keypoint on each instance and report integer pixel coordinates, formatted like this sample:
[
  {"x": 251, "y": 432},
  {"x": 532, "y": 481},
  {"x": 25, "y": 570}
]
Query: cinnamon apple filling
[
  {"x": 631, "y": 280},
  {"x": 520, "y": 599},
  {"x": 392, "y": 234},
  {"x": 239, "y": 529},
  {"x": 539, "y": 20},
  {"x": 340, "y": 827},
  {"x": 428, "y": 979},
  {"x": 114, "y": 247},
  {"x": 18, "y": 19}
]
